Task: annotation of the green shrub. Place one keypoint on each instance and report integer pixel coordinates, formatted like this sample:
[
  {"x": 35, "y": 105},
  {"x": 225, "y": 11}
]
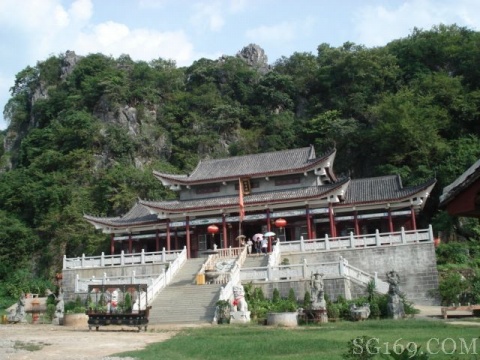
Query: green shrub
[
  {"x": 291, "y": 295},
  {"x": 275, "y": 295},
  {"x": 375, "y": 310},
  {"x": 452, "y": 253},
  {"x": 333, "y": 311},
  {"x": 50, "y": 313},
  {"x": 307, "y": 300},
  {"x": 451, "y": 287},
  {"x": 127, "y": 306}
]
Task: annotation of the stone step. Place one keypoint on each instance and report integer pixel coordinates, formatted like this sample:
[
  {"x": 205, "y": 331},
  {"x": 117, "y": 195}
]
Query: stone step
[
  {"x": 255, "y": 261},
  {"x": 184, "y": 302}
]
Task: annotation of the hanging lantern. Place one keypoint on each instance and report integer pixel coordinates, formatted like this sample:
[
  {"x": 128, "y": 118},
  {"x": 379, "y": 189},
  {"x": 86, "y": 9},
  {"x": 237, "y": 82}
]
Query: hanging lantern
[
  {"x": 212, "y": 229},
  {"x": 280, "y": 223}
]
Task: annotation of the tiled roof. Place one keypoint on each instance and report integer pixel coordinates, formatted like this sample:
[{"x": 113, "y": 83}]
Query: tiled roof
[
  {"x": 137, "y": 215},
  {"x": 266, "y": 164},
  {"x": 270, "y": 197},
  {"x": 140, "y": 213},
  {"x": 360, "y": 191},
  {"x": 462, "y": 182},
  {"x": 382, "y": 188}
]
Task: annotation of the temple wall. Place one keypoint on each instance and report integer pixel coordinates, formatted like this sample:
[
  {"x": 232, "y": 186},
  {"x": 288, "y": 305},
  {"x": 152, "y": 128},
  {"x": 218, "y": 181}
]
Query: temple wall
[
  {"x": 415, "y": 264},
  {"x": 264, "y": 185}
]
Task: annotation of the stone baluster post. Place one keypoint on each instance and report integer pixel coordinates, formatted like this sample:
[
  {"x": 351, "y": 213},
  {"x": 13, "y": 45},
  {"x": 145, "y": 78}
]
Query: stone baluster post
[
  {"x": 378, "y": 241},
  {"x": 164, "y": 255},
  {"x": 102, "y": 259},
  {"x": 403, "y": 235},
  {"x": 304, "y": 268}
]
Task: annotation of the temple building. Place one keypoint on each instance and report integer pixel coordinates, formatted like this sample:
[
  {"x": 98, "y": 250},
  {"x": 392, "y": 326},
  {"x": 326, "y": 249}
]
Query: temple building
[
  {"x": 462, "y": 197},
  {"x": 292, "y": 193}
]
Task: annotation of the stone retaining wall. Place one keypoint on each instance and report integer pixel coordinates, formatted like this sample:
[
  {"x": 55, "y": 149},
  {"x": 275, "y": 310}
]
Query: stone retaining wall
[{"x": 415, "y": 263}]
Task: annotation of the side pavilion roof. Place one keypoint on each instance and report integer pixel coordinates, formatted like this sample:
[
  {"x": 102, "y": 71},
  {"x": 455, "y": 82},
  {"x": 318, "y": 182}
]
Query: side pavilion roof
[
  {"x": 387, "y": 188},
  {"x": 460, "y": 184},
  {"x": 251, "y": 166}
]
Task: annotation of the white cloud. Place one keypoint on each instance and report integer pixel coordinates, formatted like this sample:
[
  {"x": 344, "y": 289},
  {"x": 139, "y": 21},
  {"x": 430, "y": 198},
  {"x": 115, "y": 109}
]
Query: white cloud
[
  {"x": 377, "y": 25},
  {"x": 208, "y": 15},
  {"x": 81, "y": 10},
  {"x": 284, "y": 31},
  {"x": 114, "y": 39}
]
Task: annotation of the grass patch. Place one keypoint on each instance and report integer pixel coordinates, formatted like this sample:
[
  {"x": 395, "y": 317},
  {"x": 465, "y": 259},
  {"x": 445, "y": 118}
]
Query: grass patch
[
  {"x": 28, "y": 346},
  {"x": 328, "y": 341}
]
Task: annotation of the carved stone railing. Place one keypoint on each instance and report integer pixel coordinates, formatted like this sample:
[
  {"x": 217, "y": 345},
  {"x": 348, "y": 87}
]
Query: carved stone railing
[
  {"x": 290, "y": 272},
  {"x": 274, "y": 256},
  {"x": 237, "y": 254},
  {"x": 120, "y": 259},
  {"x": 359, "y": 276},
  {"x": 304, "y": 271},
  {"x": 358, "y": 241},
  {"x": 155, "y": 283}
]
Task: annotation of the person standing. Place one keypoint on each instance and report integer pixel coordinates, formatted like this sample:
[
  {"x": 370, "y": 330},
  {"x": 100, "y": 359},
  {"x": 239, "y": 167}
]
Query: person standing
[
  {"x": 264, "y": 245},
  {"x": 249, "y": 246}
]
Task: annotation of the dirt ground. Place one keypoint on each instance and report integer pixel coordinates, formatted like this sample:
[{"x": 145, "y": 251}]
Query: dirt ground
[{"x": 53, "y": 342}]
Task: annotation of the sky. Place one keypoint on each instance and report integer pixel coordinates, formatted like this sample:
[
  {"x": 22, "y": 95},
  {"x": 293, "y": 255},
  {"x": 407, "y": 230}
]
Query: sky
[{"x": 188, "y": 30}]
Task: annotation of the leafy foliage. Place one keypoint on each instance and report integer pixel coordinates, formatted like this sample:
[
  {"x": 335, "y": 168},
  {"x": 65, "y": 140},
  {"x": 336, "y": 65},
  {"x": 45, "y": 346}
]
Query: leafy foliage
[{"x": 86, "y": 140}]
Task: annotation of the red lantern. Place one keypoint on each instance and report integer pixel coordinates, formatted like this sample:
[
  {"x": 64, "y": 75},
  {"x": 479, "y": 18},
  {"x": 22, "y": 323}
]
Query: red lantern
[
  {"x": 212, "y": 229},
  {"x": 280, "y": 223}
]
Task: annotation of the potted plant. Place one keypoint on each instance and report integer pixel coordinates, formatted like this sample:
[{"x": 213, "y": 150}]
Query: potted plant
[
  {"x": 283, "y": 312},
  {"x": 75, "y": 314}
]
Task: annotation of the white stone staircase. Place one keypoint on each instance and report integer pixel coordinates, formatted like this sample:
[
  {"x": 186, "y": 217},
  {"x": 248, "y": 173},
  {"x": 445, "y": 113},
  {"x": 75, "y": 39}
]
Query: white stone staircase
[{"x": 182, "y": 301}]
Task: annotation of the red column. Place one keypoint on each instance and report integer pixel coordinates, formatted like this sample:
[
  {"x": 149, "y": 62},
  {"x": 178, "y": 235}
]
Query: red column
[
  {"x": 187, "y": 229},
  {"x": 390, "y": 220},
  {"x": 309, "y": 223},
  {"x": 355, "y": 220},
  {"x": 130, "y": 243},
  {"x": 112, "y": 244},
  {"x": 333, "y": 229},
  {"x": 167, "y": 225},
  {"x": 224, "y": 228},
  {"x": 414, "y": 222},
  {"x": 269, "y": 229}
]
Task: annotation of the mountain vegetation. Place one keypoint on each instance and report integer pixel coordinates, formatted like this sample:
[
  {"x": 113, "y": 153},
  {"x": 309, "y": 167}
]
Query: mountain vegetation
[{"x": 85, "y": 132}]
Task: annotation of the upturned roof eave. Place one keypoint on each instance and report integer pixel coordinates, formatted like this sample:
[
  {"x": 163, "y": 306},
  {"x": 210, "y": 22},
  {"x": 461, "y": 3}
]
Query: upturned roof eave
[
  {"x": 185, "y": 180},
  {"x": 178, "y": 209},
  {"x": 461, "y": 183},
  {"x": 426, "y": 187},
  {"x": 110, "y": 222}
]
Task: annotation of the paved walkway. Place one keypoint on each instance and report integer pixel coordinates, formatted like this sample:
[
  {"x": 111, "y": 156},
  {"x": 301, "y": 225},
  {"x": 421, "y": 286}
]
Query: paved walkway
[{"x": 435, "y": 312}]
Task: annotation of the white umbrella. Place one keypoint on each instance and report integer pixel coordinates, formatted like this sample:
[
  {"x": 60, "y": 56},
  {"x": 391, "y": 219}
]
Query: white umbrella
[
  {"x": 257, "y": 237},
  {"x": 268, "y": 234}
]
